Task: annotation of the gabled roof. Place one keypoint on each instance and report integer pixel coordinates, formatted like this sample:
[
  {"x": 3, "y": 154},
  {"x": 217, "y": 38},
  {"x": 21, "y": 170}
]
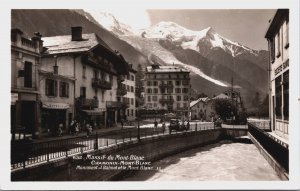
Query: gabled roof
[
  {"x": 64, "y": 44},
  {"x": 165, "y": 69},
  {"x": 203, "y": 99}
]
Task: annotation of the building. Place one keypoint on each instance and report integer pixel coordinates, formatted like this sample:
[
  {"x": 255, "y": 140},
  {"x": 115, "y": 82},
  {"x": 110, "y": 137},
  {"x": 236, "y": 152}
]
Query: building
[
  {"x": 80, "y": 75},
  {"x": 203, "y": 109},
  {"x": 167, "y": 89},
  {"x": 278, "y": 43},
  {"x": 128, "y": 93},
  {"x": 25, "y": 99}
]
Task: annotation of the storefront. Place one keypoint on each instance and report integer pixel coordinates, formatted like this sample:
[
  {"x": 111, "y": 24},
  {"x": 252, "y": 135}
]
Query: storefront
[
  {"x": 24, "y": 114},
  {"x": 53, "y": 114},
  {"x": 95, "y": 117}
]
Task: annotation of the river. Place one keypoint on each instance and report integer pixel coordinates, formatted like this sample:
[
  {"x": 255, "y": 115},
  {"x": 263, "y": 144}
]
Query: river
[{"x": 225, "y": 160}]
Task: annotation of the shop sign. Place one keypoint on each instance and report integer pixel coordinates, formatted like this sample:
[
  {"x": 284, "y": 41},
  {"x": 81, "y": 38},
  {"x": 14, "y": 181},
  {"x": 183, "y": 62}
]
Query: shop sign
[
  {"x": 52, "y": 105},
  {"x": 100, "y": 109}
]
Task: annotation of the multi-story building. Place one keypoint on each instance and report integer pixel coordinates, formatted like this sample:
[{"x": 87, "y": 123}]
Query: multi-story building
[
  {"x": 80, "y": 74},
  {"x": 25, "y": 102},
  {"x": 127, "y": 91},
  {"x": 278, "y": 43},
  {"x": 167, "y": 88}
]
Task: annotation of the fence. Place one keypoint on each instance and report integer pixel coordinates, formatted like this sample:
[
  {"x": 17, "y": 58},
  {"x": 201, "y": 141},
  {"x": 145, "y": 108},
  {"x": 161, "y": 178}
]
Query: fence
[
  {"x": 275, "y": 149},
  {"x": 30, "y": 154}
]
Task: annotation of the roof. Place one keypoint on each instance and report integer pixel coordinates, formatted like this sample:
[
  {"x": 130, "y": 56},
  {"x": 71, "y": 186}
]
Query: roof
[
  {"x": 64, "y": 44},
  {"x": 276, "y": 21},
  {"x": 165, "y": 69},
  {"x": 203, "y": 99},
  {"x": 221, "y": 96}
]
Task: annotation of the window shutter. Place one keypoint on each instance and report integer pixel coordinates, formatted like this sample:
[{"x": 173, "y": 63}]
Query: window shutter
[
  {"x": 67, "y": 89},
  {"x": 60, "y": 89},
  {"x": 47, "y": 87},
  {"x": 55, "y": 88}
]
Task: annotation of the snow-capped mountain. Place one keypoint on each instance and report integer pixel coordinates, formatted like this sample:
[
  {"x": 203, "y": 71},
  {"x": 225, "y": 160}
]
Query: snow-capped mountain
[
  {"x": 109, "y": 22},
  {"x": 212, "y": 59},
  {"x": 194, "y": 40}
]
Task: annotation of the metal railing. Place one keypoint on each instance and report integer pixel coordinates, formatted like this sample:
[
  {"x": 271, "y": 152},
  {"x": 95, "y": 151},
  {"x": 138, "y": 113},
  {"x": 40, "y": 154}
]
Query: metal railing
[
  {"x": 27, "y": 154},
  {"x": 275, "y": 149}
]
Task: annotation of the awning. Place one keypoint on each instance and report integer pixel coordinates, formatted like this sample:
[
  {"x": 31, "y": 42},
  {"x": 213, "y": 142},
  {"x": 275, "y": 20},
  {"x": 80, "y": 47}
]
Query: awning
[
  {"x": 53, "y": 105},
  {"x": 92, "y": 112}
]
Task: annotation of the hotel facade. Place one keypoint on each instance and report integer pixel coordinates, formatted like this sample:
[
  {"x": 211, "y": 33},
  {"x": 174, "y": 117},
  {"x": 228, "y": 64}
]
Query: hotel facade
[
  {"x": 278, "y": 43},
  {"x": 167, "y": 88}
]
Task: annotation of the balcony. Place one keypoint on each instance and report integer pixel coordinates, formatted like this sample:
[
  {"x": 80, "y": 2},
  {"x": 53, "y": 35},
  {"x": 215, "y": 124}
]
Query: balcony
[
  {"x": 121, "y": 91},
  {"x": 116, "y": 104},
  {"x": 84, "y": 102},
  {"x": 166, "y": 101},
  {"x": 101, "y": 84},
  {"x": 95, "y": 62},
  {"x": 166, "y": 85}
]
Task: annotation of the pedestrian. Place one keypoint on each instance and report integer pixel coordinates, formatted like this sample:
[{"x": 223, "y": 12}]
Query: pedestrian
[
  {"x": 71, "y": 127},
  {"x": 163, "y": 127},
  {"x": 122, "y": 123},
  {"x": 76, "y": 128},
  {"x": 155, "y": 124},
  {"x": 59, "y": 131},
  {"x": 87, "y": 128}
]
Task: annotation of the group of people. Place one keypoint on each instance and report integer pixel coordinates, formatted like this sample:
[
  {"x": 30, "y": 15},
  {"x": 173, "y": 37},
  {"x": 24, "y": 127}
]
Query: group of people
[{"x": 74, "y": 127}]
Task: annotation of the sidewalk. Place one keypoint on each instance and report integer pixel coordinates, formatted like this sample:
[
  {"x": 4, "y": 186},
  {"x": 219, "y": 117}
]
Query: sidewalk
[{"x": 83, "y": 133}]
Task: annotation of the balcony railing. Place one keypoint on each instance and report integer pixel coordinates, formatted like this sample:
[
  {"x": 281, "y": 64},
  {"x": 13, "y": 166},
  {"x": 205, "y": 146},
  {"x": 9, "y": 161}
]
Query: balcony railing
[
  {"x": 101, "y": 84},
  {"x": 121, "y": 91},
  {"x": 84, "y": 102},
  {"x": 166, "y": 101},
  {"x": 166, "y": 85},
  {"x": 28, "y": 43}
]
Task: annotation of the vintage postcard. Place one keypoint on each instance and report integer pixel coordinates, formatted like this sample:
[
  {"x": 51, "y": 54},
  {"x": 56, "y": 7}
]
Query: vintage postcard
[{"x": 152, "y": 96}]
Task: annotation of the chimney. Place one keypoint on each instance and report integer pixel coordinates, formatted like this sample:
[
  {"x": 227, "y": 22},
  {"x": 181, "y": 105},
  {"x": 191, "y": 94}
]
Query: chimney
[{"x": 76, "y": 33}]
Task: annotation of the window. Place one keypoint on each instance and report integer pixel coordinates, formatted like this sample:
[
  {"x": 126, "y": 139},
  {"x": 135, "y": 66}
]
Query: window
[
  {"x": 83, "y": 92},
  {"x": 128, "y": 88},
  {"x": 51, "y": 87},
  {"x": 111, "y": 79},
  {"x": 149, "y": 98},
  {"x": 28, "y": 74},
  {"x": 178, "y": 98},
  {"x": 148, "y": 83},
  {"x": 177, "y": 83},
  {"x": 162, "y": 90},
  {"x": 272, "y": 47},
  {"x": 185, "y": 82},
  {"x": 83, "y": 71},
  {"x": 132, "y": 77},
  {"x": 154, "y": 98},
  {"x": 170, "y": 90},
  {"x": 149, "y": 90},
  {"x": 102, "y": 99},
  {"x": 185, "y": 98},
  {"x": 287, "y": 34},
  {"x": 286, "y": 95},
  {"x": 132, "y": 101},
  {"x": 170, "y": 83},
  {"x": 185, "y": 90},
  {"x": 278, "y": 95},
  {"x": 155, "y": 90},
  {"x": 154, "y": 105},
  {"x": 127, "y": 112},
  {"x": 131, "y": 89},
  {"x": 154, "y": 83},
  {"x": 132, "y": 112},
  {"x": 278, "y": 44},
  {"x": 178, "y": 90},
  {"x": 64, "y": 89},
  {"x": 185, "y": 105}
]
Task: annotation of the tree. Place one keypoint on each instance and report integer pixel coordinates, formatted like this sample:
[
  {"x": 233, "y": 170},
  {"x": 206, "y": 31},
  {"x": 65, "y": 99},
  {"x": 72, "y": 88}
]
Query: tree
[
  {"x": 201, "y": 95},
  {"x": 225, "y": 108},
  {"x": 264, "y": 107}
]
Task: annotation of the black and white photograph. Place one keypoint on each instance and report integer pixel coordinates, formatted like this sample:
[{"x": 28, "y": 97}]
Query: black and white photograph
[{"x": 152, "y": 94}]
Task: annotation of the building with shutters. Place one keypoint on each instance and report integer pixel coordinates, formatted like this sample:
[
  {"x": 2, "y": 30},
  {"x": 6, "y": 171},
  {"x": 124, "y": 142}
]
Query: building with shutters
[
  {"x": 79, "y": 80},
  {"x": 278, "y": 43},
  {"x": 167, "y": 88},
  {"x": 25, "y": 97}
]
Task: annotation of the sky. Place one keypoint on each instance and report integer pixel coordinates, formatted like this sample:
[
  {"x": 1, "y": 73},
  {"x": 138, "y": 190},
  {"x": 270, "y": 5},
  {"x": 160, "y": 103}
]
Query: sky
[{"x": 245, "y": 26}]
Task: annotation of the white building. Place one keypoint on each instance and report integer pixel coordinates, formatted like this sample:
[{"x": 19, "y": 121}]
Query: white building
[{"x": 278, "y": 41}]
